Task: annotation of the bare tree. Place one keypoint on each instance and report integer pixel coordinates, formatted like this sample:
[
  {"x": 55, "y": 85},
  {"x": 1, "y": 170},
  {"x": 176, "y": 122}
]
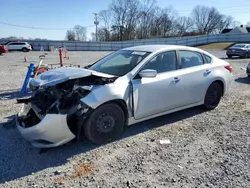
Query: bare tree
[
  {"x": 70, "y": 35},
  {"x": 105, "y": 16},
  {"x": 80, "y": 33},
  {"x": 103, "y": 34},
  {"x": 145, "y": 18},
  {"x": 206, "y": 19},
  {"x": 138, "y": 19},
  {"x": 124, "y": 17},
  {"x": 225, "y": 22},
  {"x": 166, "y": 22},
  {"x": 155, "y": 22},
  {"x": 184, "y": 24}
]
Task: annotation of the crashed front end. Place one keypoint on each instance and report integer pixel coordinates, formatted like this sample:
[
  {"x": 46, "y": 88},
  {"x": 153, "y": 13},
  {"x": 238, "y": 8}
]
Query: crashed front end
[{"x": 54, "y": 114}]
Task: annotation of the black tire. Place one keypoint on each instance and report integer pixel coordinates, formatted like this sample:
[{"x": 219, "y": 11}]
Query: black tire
[
  {"x": 0, "y": 53},
  {"x": 213, "y": 96},
  {"x": 96, "y": 130},
  {"x": 25, "y": 50},
  {"x": 247, "y": 55},
  {"x": 244, "y": 56},
  {"x": 229, "y": 56}
]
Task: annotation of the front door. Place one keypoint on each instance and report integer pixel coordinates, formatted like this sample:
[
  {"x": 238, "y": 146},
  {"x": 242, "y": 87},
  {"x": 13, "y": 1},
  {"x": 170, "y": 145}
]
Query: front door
[{"x": 162, "y": 93}]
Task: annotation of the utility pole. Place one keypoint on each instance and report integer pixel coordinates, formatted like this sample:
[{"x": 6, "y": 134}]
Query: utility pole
[{"x": 96, "y": 22}]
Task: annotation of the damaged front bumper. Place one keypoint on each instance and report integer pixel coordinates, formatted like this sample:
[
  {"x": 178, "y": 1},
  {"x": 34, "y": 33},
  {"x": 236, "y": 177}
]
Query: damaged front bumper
[
  {"x": 51, "y": 131},
  {"x": 54, "y": 114}
]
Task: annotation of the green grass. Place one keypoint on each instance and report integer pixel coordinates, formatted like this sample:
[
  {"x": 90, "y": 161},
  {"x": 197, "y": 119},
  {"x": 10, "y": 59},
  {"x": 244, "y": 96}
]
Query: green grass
[{"x": 216, "y": 46}]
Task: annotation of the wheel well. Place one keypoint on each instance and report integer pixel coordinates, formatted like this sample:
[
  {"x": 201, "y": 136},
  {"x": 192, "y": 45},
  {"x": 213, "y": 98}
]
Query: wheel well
[
  {"x": 121, "y": 103},
  {"x": 221, "y": 84}
]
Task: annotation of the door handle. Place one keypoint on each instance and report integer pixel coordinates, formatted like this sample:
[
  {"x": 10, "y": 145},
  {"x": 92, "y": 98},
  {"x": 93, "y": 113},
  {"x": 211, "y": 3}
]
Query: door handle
[
  {"x": 207, "y": 72},
  {"x": 176, "y": 79}
]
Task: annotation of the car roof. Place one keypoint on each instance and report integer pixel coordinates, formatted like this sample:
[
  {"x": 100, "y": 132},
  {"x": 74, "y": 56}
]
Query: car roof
[
  {"x": 241, "y": 44},
  {"x": 155, "y": 48}
]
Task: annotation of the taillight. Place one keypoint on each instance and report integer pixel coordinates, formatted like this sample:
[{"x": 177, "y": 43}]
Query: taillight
[{"x": 229, "y": 68}]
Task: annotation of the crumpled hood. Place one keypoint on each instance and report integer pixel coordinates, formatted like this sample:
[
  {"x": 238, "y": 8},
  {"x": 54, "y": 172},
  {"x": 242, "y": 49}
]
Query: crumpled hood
[{"x": 59, "y": 75}]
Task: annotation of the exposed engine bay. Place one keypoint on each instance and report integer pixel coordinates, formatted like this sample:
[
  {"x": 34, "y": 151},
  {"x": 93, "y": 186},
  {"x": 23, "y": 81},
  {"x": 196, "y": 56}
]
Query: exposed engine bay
[{"x": 62, "y": 98}]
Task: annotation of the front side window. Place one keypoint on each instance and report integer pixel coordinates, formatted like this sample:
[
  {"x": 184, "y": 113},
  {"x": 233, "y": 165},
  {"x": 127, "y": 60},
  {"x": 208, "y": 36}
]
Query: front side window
[
  {"x": 163, "y": 62},
  {"x": 120, "y": 62},
  {"x": 190, "y": 58}
]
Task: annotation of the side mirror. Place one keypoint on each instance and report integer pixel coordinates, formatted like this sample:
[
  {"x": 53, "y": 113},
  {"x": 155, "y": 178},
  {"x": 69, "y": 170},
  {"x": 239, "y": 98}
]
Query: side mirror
[{"x": 148, "y": 73}]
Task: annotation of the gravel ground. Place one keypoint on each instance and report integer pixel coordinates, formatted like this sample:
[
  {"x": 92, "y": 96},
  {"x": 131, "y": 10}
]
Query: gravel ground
[{"x": 207, "y": 149}]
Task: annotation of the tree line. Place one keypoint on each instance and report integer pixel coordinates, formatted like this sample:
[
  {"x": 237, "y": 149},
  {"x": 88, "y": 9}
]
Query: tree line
[{"x": 144, "y": 19}]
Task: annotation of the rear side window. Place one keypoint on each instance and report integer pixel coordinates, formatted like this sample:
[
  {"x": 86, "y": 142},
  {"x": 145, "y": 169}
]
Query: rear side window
[
  {"x": 190, "y": 58},
  {"x": 208, "y": 58}
]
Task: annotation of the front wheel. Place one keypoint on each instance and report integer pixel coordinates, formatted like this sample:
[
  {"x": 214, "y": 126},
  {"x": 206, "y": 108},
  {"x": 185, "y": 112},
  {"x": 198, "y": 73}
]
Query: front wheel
[
  {"x": 105, "y": 124},
  {"x": 213, "y": 96},
  {"x": 25, "y": 50}
]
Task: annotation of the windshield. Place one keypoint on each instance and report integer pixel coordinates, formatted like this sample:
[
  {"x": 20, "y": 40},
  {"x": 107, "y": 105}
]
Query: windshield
[
  {"x": 120, "y": 62},
  {"x": 239, "y": 46}
]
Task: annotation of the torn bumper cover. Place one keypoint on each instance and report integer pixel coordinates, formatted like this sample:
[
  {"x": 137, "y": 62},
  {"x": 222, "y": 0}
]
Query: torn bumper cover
[{"x": 51, "y": 131}]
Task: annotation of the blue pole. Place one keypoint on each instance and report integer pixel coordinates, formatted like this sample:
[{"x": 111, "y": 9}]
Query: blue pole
[{"x": 27, "y": 78}]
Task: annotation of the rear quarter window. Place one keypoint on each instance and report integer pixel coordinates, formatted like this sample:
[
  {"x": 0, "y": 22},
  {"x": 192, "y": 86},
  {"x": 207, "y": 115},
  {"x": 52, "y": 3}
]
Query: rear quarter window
[{"x": 208, "y": 58}]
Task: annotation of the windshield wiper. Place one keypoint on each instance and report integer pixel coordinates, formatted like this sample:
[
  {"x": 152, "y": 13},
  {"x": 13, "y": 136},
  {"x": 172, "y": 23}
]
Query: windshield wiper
[{"x": 87, "y": 66}]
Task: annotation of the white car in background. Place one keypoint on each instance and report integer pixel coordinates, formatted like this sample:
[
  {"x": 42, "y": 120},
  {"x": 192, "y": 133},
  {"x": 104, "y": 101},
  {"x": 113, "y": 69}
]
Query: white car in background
[
  {"x": 18, "y": 46},
  {"x": 126, "y": 87}
]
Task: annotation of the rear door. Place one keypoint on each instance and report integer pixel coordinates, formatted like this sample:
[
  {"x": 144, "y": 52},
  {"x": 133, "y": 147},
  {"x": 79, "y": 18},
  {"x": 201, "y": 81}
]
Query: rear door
[
  {"x": 20, "y": 45},
  {"x": 11, "y": 46},
  {"x": 196, "y": 74}
]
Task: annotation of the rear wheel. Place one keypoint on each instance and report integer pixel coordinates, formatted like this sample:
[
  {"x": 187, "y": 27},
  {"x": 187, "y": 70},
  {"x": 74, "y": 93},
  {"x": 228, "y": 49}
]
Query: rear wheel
[
  {"x": 229, "y": 56},
  {"x": 105, "y": 124},
  {"x": 213, "y": 96}
]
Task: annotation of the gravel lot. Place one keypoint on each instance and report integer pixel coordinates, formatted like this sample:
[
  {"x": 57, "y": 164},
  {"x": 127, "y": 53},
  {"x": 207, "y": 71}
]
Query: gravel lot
[{"x": 207, "y": 149}]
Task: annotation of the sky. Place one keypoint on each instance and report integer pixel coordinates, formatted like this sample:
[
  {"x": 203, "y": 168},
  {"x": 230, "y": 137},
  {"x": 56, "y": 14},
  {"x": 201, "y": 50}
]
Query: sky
[{"x": 65, "y": 14}]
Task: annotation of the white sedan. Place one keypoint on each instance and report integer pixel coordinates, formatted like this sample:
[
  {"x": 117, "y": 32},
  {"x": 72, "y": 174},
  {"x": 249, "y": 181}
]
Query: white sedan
[{"x": 126, "y": 87}]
